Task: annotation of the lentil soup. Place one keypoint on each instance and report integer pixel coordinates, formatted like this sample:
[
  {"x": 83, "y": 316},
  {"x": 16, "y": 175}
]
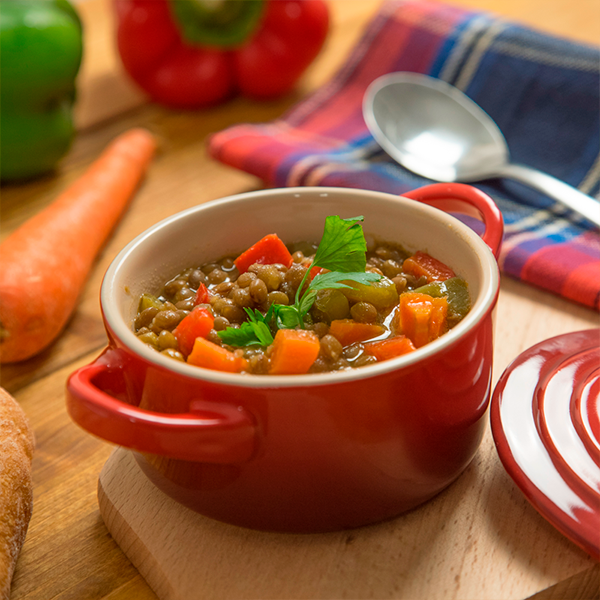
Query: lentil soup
[{"x": 274, "y": 309}]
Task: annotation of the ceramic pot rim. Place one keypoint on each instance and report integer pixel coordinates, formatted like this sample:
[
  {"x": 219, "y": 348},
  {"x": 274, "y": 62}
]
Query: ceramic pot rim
[{"x": 124, "y": 333}]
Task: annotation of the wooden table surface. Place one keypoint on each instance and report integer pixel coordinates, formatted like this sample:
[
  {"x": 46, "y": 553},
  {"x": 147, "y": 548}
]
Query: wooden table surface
[{"x": 68, "y": 553}]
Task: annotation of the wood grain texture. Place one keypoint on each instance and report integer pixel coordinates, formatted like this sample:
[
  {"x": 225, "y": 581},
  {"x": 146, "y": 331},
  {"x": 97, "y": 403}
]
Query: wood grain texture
[
  {"x": 583, "y": 586},
  {"x": 69, "y": 554},
  {"x": 462, "y": 545}
]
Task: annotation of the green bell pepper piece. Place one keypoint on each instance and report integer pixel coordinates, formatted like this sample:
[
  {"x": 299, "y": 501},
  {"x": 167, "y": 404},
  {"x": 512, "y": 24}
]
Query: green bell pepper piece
[
  {"x": 149, "y": 301},
  {"x": 41, "y": 47},
  {"x": 456, "y": 291},
  {"x": 381, "y": 294}
]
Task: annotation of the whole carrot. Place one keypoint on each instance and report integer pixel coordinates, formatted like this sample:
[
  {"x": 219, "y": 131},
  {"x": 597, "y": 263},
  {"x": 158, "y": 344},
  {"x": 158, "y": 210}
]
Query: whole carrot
[{"x": 45, "y": 262}]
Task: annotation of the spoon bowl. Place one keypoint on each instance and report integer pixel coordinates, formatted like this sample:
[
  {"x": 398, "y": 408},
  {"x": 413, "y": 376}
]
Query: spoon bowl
[{"x": 433, "y": 129}]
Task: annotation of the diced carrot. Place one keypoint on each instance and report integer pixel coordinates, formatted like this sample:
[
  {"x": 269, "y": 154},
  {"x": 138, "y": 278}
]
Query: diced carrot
[
  {"x": 202, "y": 295},
  {"x": 197, "y": 324},
  {"x": 211, "y": 356},
  {"x": 438, "y": 322},
  {"x": 390, "y": 348},
  {"x": 421, "y": 263},
  {"x": 294, "y": 351},
  {"x": 423, "y": 317},
  {"x": 347, "y": 331},
  {"x": 394, "y": 321},
  {"x": 267, "y": 251}
]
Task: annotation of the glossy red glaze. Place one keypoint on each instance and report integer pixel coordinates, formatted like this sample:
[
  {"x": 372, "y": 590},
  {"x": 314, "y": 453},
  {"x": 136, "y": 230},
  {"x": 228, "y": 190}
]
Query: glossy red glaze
[
  {"x": 299, "y": 453},
  {"x": 461, "y": 198},
  {"x": 546, "y": 425}
]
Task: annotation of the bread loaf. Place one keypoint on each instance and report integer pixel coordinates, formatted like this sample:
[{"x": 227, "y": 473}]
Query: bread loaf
[{"x": 16, "y": 497}]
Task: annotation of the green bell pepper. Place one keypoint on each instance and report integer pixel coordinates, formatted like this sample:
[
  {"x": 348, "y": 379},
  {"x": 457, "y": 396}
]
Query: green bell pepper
[
  {"x": 41, "y": 47},
  {"x": 456, "y": 291}
]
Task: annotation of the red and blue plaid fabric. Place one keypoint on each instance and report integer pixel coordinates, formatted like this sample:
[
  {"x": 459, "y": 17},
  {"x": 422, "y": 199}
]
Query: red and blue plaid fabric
[{"x": 542, "y": 91}]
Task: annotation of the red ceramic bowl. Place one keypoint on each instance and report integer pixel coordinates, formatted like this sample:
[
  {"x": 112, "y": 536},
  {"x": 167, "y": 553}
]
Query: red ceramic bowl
[{"x": 299, "y": 453}]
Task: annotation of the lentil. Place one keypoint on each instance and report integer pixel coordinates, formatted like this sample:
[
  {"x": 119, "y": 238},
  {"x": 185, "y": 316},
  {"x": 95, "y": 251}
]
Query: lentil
[{"x": 363, "y": 312}]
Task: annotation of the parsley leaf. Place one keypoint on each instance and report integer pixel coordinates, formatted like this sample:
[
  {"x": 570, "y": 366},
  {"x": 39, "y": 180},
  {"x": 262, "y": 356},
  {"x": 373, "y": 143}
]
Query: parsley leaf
[
  {"x": 254, "y": 332},
  {"x": 342, "y": 252},
  {"x": 335, "y": 279},
  {"x": 329, "y": 281},
  {"x": 343, "y": 246},
  {"x": 288, "y": 317},
  {"x": 242, "y": 336}
]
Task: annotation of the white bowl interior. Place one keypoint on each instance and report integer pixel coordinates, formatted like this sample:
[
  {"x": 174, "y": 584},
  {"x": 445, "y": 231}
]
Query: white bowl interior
[{"x": 230, "y": 225}]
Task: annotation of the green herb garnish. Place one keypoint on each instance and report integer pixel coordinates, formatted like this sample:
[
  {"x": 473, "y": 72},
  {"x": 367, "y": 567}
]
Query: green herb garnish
[
  {"x": 342, "y": 251},
  {"x": 288, "y": 317},
  {"x": 255, "y": 331},
  {"x": 343, "y": 246}
]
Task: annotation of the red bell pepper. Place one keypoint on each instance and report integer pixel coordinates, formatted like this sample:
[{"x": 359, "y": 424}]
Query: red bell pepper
[
  {"x": 202, "y": 295},
  {"x": 269, "y": 250},
  {"x": 199, "y": 52},
  {"x": 197, "y": 324},
  {"x": 421, "y": 263}
]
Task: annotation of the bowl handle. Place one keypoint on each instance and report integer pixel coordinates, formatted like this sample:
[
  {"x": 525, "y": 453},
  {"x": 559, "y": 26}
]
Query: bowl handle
[
  {"x": 216, "y": 433},
  {"x": 454, "y": 196}
]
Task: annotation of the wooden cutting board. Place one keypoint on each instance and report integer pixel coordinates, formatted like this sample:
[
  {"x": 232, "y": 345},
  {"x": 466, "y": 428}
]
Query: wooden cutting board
[{"x": 480, "y": 539}]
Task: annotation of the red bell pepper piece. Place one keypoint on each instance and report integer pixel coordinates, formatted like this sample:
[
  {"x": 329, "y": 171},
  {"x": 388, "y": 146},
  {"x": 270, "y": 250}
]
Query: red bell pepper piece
[
  {"x": 421, "y": 263},
  {"x": 202, "y": 295},
  {"x": 193, "y": 54},
  {"x": 269, "y": 250},
  {"x": 314, "y": 271},
  {"x": 197, "y": 324}
]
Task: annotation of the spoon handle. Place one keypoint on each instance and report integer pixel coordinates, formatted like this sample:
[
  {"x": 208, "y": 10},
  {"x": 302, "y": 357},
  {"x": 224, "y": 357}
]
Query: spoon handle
[{"x": 555, "y": 189}]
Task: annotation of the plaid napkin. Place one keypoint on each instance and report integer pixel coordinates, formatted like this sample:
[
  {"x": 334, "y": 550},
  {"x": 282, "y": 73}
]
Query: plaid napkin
[{"x": 542, "y": 91}]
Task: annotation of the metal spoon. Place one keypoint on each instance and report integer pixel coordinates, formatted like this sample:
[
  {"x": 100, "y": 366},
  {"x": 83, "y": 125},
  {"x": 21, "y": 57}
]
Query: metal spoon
[{"x": 434, "y": 130}]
